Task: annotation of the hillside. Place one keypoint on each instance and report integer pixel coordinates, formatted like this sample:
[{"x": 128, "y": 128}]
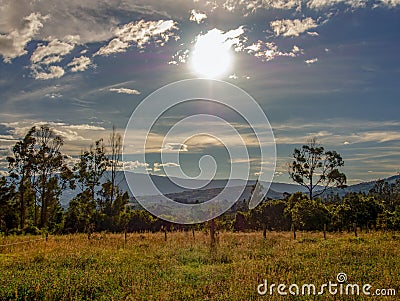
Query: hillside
[
  {"x": 363, "y": 187},
  {"x": 167, "y": 186}
]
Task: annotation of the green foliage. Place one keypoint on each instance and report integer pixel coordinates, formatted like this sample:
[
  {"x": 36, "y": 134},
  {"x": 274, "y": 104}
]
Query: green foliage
[
  {"x": 271, "y": 214},
  {"x": 313, "y": 166},
  {"x": 356, "y": 208},
  {"x": 8, "y": 206},
  {"x": 139, "y": 221},
  {"x": 29, "y": 199},
  {"x": 39, "y": 171},
  {"x": 80, "y": 214},
  {"x": 307, "y": 214},
  {"x": 90, "y": 168}
]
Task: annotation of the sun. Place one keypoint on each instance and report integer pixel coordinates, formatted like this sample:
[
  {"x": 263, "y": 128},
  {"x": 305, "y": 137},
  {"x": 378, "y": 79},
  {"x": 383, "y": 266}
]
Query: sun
[{"x": 211, "y": 56}]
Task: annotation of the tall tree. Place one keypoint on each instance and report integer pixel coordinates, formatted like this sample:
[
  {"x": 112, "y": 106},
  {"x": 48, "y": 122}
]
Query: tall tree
[
  {"x": 114, "y": 156},
  {"x": 91, "y": 167},
  {"x": 313, "y": 167},
  {"x": 51, "y": 171},
  {"x": 20, "y": 170}
]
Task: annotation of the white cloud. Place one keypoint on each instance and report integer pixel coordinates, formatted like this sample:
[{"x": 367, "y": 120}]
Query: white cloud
[
  {"x": 251, "y": 6},
  {"x": 268, "y": 51},
  {"x": 13, "y": 44},
  {"x": 390, "y": 3},
  {"x": 69, "y": 135},
  {"x": 181, "y": 56},
  {"x": 115, "y": 46},
  {"x": 84, "y": 127},
  {"x": 376, "y": 136},
  {"x": 51, "y": 60},
  {"x": 319, "y": 4},
  {"x": 133, "y": 165},
  {"x": 80, "y": 64},
  {"x": 313, "y": 33},
  {"x": 53, "y": 72},
  {"x": 311, "y": 61},
  {"x": 139, "y": 33},
  {"x": 71, "y": 132},
  {"x": 157, "y": 166},
  {"x": 174, "y": 147},
  {"x": 197, "y": 16},
  {"x": 125, "y": 91},
  {"x": 295, "y": 27},
  {"x": 93, "y": 20},
  {"x": 54, "y": 50}
]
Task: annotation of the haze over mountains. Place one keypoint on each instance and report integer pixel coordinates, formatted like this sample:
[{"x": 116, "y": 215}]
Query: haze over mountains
[{"x": 209, "y": 189}]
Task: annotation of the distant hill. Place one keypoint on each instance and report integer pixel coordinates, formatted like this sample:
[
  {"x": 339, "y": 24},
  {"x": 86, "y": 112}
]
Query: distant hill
[
  {"x": 363, "y": 187},
  {"x": 206, "y": 191},
  {"x": 167, "y": 186}
]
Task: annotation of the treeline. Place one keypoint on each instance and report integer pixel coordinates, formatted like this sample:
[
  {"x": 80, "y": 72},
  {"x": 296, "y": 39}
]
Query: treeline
[
  {"x": 39, "y": 173},
  {"x": 379, "y": 210}
]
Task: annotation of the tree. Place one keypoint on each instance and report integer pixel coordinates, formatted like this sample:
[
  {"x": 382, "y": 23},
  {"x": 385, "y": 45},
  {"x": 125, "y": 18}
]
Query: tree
[
  {"x": 313, "y": 167},
  {"x": 307, "y": 214},
  {"x": 80, "y": 214},
  {"x": 271, "y": 215},
  {"x": 51, "y": 172},
  {"x": 89, "y": 171},
  {"x": 111, "y": 199},
  {"x": 8, "y": 212},
  {"x": 361, "y": 210},
  {"x": 387, "y": 193},
  {"x": 90, "y": 168},
  {"x": 114, "y": 156},
  {"x": 20, "y": 170}
]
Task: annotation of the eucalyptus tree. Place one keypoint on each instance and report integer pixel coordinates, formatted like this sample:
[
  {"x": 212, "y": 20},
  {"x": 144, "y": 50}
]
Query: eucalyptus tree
[
  {"x": 316, "y": 169},
  {"x": 20, "y": 165}
]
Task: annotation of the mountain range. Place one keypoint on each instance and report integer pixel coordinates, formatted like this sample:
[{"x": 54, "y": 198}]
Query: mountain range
[{"x": 208, "y": 189}]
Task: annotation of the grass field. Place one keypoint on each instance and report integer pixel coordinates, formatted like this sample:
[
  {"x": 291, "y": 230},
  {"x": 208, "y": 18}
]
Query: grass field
[{"x": 182, "y": 268}]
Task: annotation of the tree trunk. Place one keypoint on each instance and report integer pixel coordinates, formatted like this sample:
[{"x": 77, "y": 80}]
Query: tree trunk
[
  {"x": 22, "y": 202},
  {"x": 43, "y": 212}
]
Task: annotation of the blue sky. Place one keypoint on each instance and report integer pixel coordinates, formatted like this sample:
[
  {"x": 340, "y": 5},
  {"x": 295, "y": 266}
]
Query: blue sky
[{"x": 324, "y": 68}]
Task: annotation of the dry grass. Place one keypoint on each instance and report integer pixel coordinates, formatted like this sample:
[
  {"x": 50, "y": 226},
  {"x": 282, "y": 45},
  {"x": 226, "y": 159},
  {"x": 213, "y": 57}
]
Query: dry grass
[{"x": 148, "y": 268}]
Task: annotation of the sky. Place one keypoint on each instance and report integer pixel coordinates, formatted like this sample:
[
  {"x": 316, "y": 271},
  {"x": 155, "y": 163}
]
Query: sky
[{"x": 318, "y": 68}]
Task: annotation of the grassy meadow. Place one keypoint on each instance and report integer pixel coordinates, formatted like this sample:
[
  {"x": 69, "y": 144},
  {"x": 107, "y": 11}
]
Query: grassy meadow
[{"x": 147, "y": 267}]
